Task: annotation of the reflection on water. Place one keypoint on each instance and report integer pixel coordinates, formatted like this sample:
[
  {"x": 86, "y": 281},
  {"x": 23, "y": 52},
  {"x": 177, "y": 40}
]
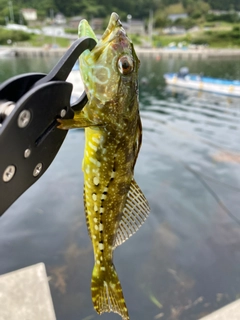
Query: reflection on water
[{"x": 184, "y": 262}]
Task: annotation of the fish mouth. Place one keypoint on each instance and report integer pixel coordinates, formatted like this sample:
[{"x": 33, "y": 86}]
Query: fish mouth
[
  {"x": 114, "y": 29},
  {"x": 115, "y": 33}
]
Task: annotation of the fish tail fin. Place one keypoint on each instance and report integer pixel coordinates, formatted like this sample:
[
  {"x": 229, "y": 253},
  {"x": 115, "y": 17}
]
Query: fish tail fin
[{"x": 107, "y": 295}]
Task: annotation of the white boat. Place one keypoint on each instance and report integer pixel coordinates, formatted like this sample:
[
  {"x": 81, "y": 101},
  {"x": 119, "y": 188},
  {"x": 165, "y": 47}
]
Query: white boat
[
  {"x": 197, "y": 82},
  {"x": 7, "y": 53}
]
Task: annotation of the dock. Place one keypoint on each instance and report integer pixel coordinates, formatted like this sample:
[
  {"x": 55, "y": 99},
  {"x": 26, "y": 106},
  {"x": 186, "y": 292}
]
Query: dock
[
  {"x": 29, "y": 52},
  {"x": 203, "y": 53},
  {"x": 25, "y": 294},
  {"x": 229, "y": 312}
]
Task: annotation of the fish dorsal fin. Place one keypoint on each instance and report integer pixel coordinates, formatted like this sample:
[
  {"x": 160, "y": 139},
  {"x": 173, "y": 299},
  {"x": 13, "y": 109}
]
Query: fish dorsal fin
[{"x": 135, "y": 212}]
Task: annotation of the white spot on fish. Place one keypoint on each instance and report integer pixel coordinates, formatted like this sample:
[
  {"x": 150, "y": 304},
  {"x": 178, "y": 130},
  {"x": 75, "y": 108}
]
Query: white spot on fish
[
  {"x": 94, "y": 197},
  {"x": 95, "y": 208},
  {"x": 95, "y": 220},
  {"x": 88, "y": 184},
  {"x": 96, "y": 181},
  {"x": 92, "y": 160},
  {"x": 103, "y": 196},
  {"x": 92, "y": 146},
  {"x": 94, "y": 237},
  {"x": 101, "y": 246},
  {"x": 95, "y": 161},
  {"x": 101, "y": 210},
  {"x": 103, "y": 268},
  {"x": 96, "y": 140},
  {"x": 96, "y": 227},
  {"x": 87, "y": 169},
  {"x": 98, "y": 261},
  {"x": 113, "y": 174},
  {"x": 100, "y": 227}
]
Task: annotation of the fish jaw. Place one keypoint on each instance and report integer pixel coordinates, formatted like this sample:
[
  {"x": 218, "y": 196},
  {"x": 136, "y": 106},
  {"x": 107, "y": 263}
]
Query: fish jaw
[{"x": 85, "y": 30}]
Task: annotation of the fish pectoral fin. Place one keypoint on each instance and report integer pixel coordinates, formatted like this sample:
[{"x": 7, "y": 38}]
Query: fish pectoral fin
[
  {"x": 79, "y": 121},
  {"x": 66, "y": 124},
  {"x": 107, "y": 295},
  {"x": 135, "y": 212}
]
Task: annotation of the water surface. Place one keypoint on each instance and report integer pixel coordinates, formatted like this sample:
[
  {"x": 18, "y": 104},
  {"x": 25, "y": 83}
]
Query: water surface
[{"x": 184, "y": 262}]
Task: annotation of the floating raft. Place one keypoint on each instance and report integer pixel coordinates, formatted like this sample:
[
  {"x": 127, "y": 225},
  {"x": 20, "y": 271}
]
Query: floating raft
[
  {"x": 229, "y": 312},
  {"x": 25, "y": 295},
  {"x": 197, "y": 82}
]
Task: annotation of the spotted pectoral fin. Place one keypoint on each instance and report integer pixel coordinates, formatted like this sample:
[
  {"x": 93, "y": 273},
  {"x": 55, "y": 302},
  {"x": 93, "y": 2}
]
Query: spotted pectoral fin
[
  {"x": 79, "y": 121},
  {"x": 135, "y": 212}
]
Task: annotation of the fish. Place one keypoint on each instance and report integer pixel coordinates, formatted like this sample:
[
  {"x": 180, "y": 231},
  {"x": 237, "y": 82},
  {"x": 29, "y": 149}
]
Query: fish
[{"x": 115, "y": 206}]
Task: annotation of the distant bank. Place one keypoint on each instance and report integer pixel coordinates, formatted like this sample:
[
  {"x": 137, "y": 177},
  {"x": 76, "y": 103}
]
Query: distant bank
[{"x": 162, "y": 52}]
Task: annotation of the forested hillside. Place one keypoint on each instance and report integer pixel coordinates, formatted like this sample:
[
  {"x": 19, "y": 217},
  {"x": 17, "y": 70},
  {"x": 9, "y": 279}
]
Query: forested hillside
[{"x": 102, "y": 8}]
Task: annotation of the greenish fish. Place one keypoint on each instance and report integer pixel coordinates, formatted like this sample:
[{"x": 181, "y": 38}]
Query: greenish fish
[{"x": 115, "y": 206}]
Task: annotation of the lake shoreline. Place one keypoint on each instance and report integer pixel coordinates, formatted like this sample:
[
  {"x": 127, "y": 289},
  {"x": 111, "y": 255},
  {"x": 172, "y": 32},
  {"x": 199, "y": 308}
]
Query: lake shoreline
[{"x": 162, "y": 52}]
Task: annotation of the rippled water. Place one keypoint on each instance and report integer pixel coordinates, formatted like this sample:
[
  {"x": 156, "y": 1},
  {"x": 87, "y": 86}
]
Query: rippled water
[{"x": 184, "y": 262}]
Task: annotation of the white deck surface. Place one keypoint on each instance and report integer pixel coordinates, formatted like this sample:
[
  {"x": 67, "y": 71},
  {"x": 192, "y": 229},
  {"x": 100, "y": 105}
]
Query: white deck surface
[
  {"x": 229, "y": 312},
  {"x": 25, "y": 295}
]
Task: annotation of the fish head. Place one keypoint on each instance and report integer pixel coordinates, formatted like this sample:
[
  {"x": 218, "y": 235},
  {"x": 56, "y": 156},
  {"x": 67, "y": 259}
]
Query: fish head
[{"x": 109, "y": 71}]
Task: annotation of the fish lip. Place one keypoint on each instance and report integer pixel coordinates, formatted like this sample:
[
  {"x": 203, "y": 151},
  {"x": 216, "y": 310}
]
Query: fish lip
[{"x": 114, "y": 23}]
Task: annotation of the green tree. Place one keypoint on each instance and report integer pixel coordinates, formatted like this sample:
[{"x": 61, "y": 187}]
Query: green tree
[
  {"x": 197, "y": 8},
  {"x": 161, "y": 20}
]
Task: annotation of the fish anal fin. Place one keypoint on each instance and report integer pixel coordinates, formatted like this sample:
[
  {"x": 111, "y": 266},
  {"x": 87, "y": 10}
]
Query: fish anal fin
[
  {"x": 106, "y": 290},
  {"x": 135, "y": 212}
]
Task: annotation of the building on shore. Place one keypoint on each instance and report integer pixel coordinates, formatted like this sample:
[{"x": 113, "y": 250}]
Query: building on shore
[
  {"x": 60, "y": 19},
  {"x": 97, "y": 23},
  {"x": 74, "y": 22},
  {"x": 175, "y": 17},
  {"x": 29, "y": 15}
]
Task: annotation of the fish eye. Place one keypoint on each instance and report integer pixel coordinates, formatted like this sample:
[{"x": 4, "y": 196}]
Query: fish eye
[{"x": 125, "y": 65}]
